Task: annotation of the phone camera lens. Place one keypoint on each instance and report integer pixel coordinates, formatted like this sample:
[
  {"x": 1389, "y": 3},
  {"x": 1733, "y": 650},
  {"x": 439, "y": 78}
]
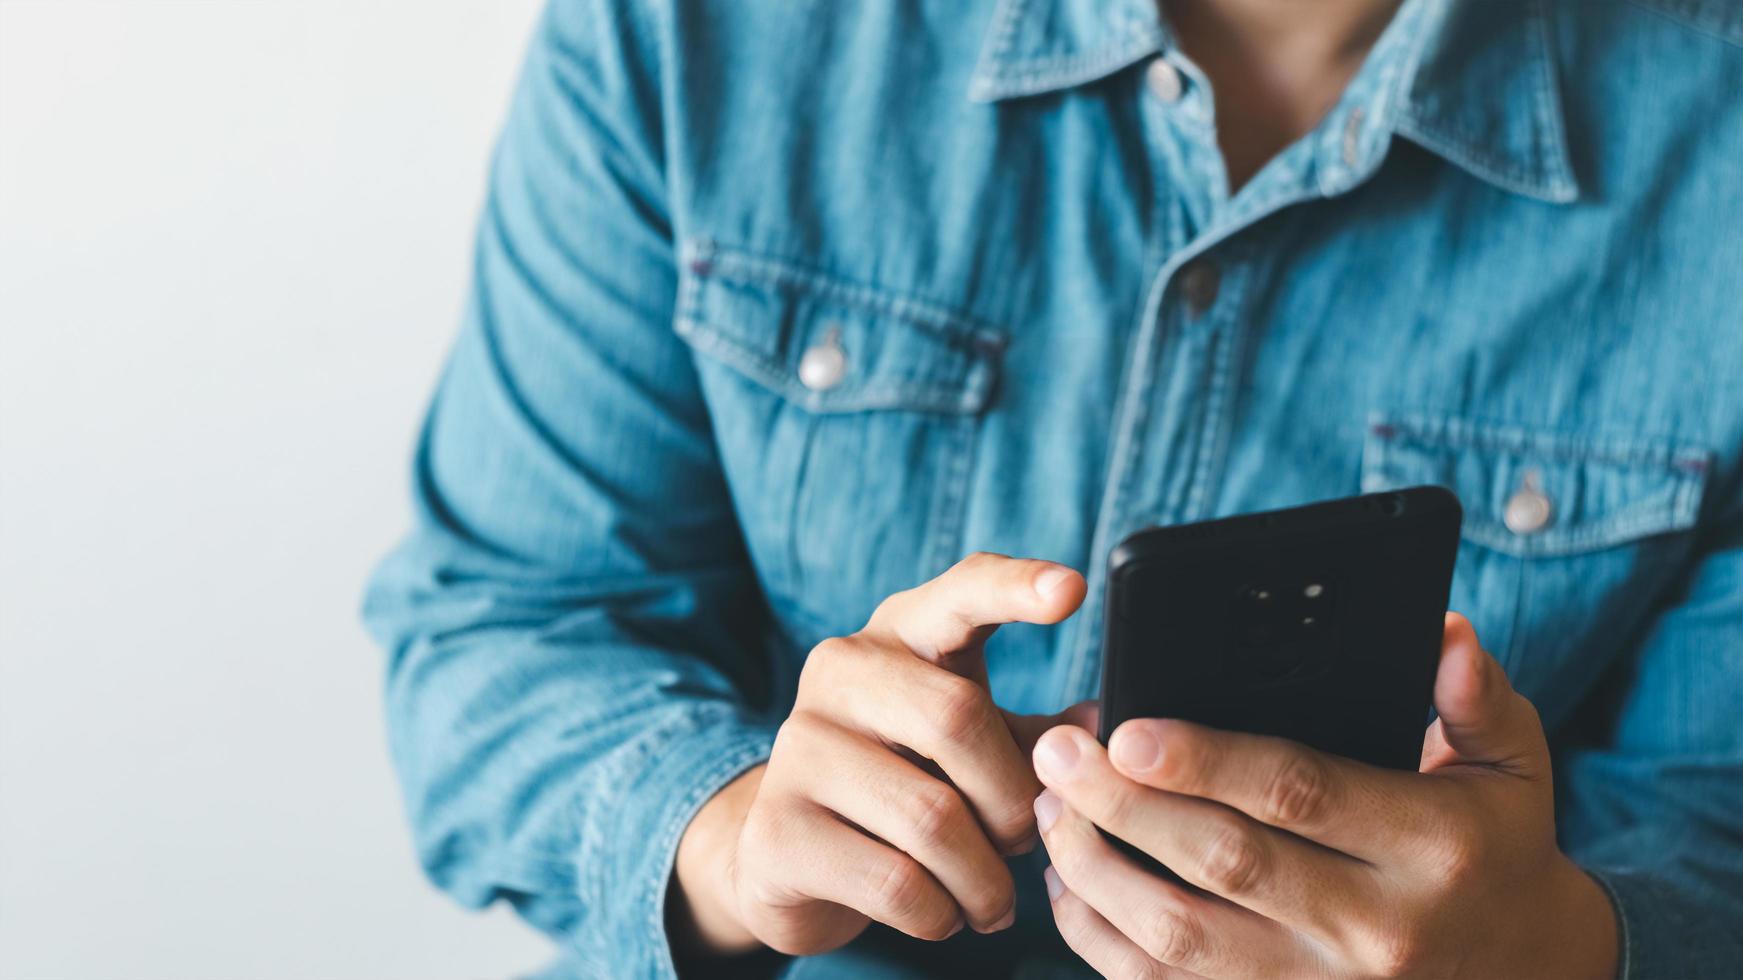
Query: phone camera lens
[{"x": 1313, "y": 590}]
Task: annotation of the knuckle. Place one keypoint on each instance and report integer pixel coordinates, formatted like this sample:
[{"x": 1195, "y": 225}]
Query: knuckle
[
  {"x": 830, "y": 652},
  {"x": 892, "y": 608},
  {"x": 1011, "y": 827},
  {"x": 960, "y": 709},
  {"x": 766, "y": 827},
  {"x": 1116, "y": 808},
  {"x": 750, "y": 847},
  {"x": 756, "y": 882},
  {"x": 976, "y": 560},
  {"x": 897, "y": 889},
  {"x": 798, "y": 730},
  {"x": 783, "y": 929},
  {"x": 1233, "y": 862},
  {"x": 1457, "y": 857},
  {"x": 1297, "y": 793},
  {"x": 756, "y": 891},
  {"x": 934, "y": 814},
  {"x": 990, "y": 901},
  {"x": 1175, "y": 937},
  {"x": 1394, "y": 953},
  {"x": 1184, "y": 764}
]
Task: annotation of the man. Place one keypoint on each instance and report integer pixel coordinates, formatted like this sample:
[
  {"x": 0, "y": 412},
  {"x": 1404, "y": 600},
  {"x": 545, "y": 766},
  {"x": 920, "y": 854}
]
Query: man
[{"x": 782, "y": 308}]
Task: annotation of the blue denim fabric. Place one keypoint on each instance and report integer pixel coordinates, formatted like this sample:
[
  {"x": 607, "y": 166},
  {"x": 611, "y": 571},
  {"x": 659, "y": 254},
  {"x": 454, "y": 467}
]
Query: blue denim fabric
[{"x": 1512, "y": 253}]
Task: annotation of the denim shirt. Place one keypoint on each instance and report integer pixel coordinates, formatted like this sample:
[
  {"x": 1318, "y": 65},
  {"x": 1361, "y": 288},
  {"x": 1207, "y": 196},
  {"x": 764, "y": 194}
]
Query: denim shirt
[{"x": 781, "y": 307}]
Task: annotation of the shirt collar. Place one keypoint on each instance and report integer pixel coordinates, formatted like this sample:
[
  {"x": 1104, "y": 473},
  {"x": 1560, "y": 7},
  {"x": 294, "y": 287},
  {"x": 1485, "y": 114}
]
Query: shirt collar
[
  {"x": 1481, "y": 91},
  {"x": 1038, "y": 46},
  {"x": 1486, "y": 96}
]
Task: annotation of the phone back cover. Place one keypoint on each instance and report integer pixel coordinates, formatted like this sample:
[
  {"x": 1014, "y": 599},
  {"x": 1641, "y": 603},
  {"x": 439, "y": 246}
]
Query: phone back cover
[{"x": 1320, "y": 624}]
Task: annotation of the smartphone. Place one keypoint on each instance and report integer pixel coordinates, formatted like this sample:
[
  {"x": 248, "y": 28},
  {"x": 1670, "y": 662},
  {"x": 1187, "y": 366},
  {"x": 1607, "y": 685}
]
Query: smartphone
[{"x": 1321, "y": 624}]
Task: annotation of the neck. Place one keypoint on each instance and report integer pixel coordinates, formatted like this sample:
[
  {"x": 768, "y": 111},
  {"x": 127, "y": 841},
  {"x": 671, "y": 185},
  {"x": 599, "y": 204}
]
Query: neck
[
  {"x": 1277, "y": 66},
  {"x": 1307, "y": 34}
]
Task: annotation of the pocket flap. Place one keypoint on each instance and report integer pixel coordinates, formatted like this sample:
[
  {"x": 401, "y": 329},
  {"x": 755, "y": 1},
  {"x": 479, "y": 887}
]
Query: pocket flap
[
  {"x": 867, "y": 349},
  {"x": 1534, "y": 493}
]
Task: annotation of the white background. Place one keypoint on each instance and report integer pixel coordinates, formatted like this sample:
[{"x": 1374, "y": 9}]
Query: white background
[{"x": 233, "y": 249}]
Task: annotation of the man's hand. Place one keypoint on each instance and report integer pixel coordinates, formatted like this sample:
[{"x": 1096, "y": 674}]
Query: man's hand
[
  {"x": 1313, "y": 865},
  {"x": 896, "y": 786}
]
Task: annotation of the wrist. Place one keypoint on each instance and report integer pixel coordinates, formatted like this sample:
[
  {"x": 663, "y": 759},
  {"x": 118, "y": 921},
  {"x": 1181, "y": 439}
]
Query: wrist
[
  {"x": 702, "y": 905},
  {"x": 1588, "y": 942}
]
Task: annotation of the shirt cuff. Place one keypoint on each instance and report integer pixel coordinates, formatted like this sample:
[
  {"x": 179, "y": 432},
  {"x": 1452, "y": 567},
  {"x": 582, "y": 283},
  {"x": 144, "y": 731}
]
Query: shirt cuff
[
  {"x": 636, "y": 859},
  {"x": 1661, "y": 929}
]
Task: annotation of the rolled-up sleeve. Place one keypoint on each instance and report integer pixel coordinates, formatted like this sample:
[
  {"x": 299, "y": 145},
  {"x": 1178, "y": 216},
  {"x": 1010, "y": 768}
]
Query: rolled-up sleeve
[
  {"x": 1652, "y": 804},
  {"x": 572, "y": 624}
]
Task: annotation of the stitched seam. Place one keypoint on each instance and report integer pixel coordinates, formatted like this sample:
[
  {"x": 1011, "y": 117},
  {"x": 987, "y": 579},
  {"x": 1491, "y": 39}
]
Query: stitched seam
[
  {"x": 1455, "y": 433},
  {"x": 947, "y": 516},
  {"x": 792, "y": 515},
  {"x": 1051, "y": 70},
  {"x": 1087, "y": 635},
  {"x": 1701, "y": 18},
  {"x": 1549, "y": 139},
  {"x": 999, "y": 77},
  {"x": 1131, "y": 417},
  {"x": 1226, "y": 334},
  {"x": 722, "y": 262},
  {"x": 711, "y": 780},
  {"x": 1006, "y": 32},
  {"x": 1671, "y": 510},
  {"x": 1513, "y": 652},
  {"x": 1004, "y": 29},
  {"x": 1120, "y": 470},
  {"x": 1640, "y": 522},
  {"x": 903, "y": 392},
  {"x": 1389, "y": 94},
  {"x": 1466, "y": 151}
]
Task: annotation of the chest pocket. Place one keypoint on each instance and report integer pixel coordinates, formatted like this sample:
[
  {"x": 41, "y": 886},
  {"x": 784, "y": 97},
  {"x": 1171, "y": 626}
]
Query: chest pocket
[
  {"x": 1568, "y": 541},
  {"x": 846, "y": 419}
]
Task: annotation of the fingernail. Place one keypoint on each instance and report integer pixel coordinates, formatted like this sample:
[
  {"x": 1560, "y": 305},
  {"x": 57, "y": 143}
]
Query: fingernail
[
  {"x": 1136, "y": 749},
  {"x": 1025, "y": 847},
  {"x": 954, "y": 931},
  {"x": 1047, "y": 807},
  {"x": 1009, "y": 919},
  {"x": 1048, "y": 582},
  {"x": 1056, "y": 754},
  {"x": 1055, "y": 887}
]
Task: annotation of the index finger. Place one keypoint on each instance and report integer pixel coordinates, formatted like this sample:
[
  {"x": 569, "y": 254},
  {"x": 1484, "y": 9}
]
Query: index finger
[
  {"x": 1361, "y": 810},
  {"x": 946, "y": 718},
  {"x": 958, "y": 610}
]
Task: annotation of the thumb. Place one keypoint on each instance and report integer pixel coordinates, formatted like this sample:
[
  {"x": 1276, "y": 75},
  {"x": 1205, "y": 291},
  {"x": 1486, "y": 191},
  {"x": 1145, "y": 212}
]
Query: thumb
[
  {"x": 1028, "y": 729},
  {"x": 1483, "y": 721}
]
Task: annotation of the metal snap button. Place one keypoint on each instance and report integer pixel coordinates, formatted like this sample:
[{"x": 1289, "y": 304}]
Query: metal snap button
[
  {"x": 1164, "y": 80},
  {"x": 824, "y": 365},
  {"x": 1529, "y": 509}
]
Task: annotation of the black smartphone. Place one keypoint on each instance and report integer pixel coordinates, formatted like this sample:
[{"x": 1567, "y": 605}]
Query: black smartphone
[{"x": 1321, "y": 624}]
